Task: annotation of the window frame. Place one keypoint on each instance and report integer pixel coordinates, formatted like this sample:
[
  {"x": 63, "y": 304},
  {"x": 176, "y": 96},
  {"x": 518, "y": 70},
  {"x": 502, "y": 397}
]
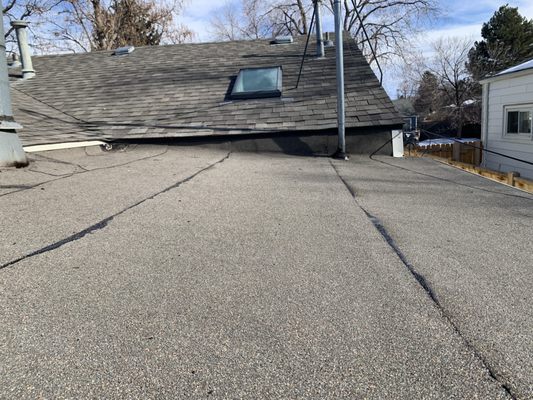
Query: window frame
[
  {"x": 517, "y": 108},
  {"x": 258, "y": 94}
]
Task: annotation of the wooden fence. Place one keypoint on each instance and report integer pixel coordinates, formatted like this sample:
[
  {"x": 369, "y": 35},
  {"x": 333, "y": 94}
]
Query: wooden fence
[
  {"x": 469, "y": 158},
  {"x": 469, "y": 153}
]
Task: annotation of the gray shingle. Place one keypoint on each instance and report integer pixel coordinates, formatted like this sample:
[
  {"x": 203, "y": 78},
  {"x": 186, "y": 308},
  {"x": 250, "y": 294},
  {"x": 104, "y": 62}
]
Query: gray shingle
[{"x": 172, "y": 90}]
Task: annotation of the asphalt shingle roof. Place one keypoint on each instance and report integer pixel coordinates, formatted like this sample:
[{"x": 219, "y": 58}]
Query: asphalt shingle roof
[{"x": 182, "y": 90}]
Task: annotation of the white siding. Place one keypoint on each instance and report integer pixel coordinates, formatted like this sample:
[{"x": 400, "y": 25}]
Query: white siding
[{"x": 510, "y": 91}]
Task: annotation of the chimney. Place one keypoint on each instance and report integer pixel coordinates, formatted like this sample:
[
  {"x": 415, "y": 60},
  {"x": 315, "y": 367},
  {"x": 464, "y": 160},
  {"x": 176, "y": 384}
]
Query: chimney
[
  {"x": 11, "y": 151},
  {"x": 24, "y": 48}
]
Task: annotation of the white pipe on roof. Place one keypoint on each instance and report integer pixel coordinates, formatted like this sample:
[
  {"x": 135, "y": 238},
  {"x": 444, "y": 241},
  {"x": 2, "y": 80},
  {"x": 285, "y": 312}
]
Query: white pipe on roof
[
  {"x": 341, "y": 122},
  {"x": 11, "y": 152},
  {"x": 24, "y": 48},
  {"x": 319, "y": 40}
]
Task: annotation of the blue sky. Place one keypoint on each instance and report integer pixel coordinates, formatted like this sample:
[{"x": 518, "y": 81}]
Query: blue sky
[{"x": 458, "y": 18}]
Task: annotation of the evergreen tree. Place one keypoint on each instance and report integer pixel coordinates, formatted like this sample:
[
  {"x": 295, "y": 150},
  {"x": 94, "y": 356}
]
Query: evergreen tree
[
  {"x": 139, "y": 23},
  {"x": 507, "y": 41},
  {"x": 424, "y": 103}
]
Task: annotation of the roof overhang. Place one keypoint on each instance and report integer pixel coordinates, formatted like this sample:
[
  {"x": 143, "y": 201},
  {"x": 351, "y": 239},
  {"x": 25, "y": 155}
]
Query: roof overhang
[{"x": 512, "y": 74}]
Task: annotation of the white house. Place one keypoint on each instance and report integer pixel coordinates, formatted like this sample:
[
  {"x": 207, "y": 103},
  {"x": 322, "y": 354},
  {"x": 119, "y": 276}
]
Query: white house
[{"x": 507, "y": 119}]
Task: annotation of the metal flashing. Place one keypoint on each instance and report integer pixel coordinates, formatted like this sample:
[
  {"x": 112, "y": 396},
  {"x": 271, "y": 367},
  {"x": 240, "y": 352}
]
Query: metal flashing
[{"x": 254, "y": 83}]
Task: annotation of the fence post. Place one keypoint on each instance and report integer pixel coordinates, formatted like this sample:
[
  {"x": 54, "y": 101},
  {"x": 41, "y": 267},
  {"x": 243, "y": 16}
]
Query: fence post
[
  {"x": 510, "y": 177},
  {"x": 477, "y": 153},
  {"x": 456, "y": 151}
]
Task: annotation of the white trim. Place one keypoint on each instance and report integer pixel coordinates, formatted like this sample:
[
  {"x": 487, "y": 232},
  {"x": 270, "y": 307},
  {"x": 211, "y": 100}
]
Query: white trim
[
  {"x": 515, "y": 74},
  {"x": 517, "y": 108},
  {"x": 397, "y": 143},
  {"x": 59, "y": 146}
]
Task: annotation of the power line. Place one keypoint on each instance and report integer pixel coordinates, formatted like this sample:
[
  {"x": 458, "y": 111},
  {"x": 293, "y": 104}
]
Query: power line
[
  {"x": 369, "y": 43},
  {"x": 476, "y": 147},
  {"x": 306, "y": 45}
]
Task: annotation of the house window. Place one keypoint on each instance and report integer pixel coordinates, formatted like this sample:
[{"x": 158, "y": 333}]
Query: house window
[
  {"x": 252, "y": 83},
  {"x": 518, "y": 121}
]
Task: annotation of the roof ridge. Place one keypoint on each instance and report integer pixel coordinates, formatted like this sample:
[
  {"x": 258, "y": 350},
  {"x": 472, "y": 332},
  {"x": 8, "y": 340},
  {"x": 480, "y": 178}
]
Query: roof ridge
[{"x": 195, "y": 44}]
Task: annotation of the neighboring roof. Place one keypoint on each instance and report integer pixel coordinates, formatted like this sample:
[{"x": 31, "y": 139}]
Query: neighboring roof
[
  {"x": 516, "y": 68},
  {"x": 182, "y": 90},
  {"x": 528, "y": 65}
]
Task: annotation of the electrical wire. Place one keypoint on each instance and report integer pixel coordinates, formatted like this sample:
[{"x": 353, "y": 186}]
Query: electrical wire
[
  {"x": 102, "y": 124},
  {"x": 368, "y": 41},
  {"x": 84, "y": 171},
  {"x": 482, "y": 149},
  {"x": 306, "y": 45}
]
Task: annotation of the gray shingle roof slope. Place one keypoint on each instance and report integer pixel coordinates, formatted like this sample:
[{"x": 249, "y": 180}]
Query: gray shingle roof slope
[{"x": 181, "y": 90}]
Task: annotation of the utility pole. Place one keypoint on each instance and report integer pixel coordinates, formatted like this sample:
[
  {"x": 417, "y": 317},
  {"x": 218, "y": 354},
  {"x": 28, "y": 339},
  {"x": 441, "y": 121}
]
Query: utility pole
[
  {"x": 319, "y": 40},
  {"x": 11, "y": 151},
  {"x": 341, "y": 148}
]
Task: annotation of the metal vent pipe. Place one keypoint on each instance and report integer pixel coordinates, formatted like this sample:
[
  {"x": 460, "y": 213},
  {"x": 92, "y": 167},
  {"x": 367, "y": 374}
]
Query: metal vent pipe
[
  {"x": 341, "y": 148},
  {"x": 24, "y": 48},
  {"x": 11, "y": 152},
  {"x": 319, "y": 40}
]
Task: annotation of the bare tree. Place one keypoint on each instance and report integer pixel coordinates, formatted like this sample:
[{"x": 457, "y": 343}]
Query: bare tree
[
  {"x": 389, "y": 24},
  {"x": 291, "y": 17},
  {"x": 227, "y": 24},
  {"x": 85, "y": 25},
  {"x": 251, "y": 19},
  {"x": 29, "y": 10},
  {"x": 456, "y": 87}
]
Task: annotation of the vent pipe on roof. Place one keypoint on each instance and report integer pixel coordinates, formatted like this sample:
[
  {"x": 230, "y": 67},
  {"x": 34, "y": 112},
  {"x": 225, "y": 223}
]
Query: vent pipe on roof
[
  {"x": 341, "y": 148},
  {"x": 13, "y": 61},
  {"x": 319, "y": 41},
  {"x": 327, "y": 41},
  {"x": 24, "y": 48},
  {"x": 11, "y": 152}
]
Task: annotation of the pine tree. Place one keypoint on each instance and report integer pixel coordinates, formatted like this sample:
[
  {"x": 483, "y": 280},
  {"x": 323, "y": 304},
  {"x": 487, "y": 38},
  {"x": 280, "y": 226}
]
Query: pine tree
[
  {"x": 507, "y": 41},
  {"x": 424, "y": 103}
]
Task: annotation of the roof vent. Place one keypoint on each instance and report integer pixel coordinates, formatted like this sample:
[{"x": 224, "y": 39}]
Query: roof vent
[
  {"x": 327, "y": 41},
  {"x": 13, "y": 61},
  {"x": 282, "y": 40},
  {"x": 123, "y": 50}
]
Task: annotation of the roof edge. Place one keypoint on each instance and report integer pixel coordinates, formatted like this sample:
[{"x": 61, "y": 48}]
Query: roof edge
[{"x": 509, "y": 71}]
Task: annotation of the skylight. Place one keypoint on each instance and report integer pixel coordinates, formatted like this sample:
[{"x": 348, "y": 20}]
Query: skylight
[{"x": 252, "y": 83}]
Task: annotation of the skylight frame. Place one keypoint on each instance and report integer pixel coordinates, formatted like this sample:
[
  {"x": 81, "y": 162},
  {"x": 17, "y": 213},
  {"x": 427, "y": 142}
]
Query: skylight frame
[{"x": 257, "y": 94}]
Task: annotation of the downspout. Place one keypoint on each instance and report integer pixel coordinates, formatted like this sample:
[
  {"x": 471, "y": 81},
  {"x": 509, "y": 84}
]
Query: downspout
[
  {"x": 11, "y": 151},
  {"x": 485, "y": 118}
]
